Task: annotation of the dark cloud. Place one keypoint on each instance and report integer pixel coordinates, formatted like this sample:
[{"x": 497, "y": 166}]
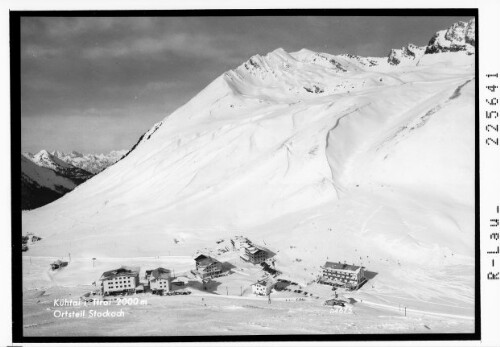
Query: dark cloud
[{"x": 96, "y": 84}]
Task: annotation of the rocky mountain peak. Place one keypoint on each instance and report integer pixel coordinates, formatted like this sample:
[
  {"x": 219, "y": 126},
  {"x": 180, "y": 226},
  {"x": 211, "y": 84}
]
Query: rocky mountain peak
[
  {"x": 410, "y": 52},
  {"x": 461, "y": 36}
]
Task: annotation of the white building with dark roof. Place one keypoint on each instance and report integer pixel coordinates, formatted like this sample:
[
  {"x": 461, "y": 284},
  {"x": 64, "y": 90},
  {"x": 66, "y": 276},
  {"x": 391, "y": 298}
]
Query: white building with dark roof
[
  {"x": 207, "y": 266},
  {"x": 259, "y": 288},
  {"x": 123, "y": 279},
  {"x": 159, "y": 279},
  {"x": 253, "y": 254},
  {"x": 342, "y": 275}
]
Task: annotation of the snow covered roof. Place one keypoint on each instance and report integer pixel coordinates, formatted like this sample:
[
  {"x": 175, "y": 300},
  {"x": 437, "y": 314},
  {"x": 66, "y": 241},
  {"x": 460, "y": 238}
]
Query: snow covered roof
[
  {"x": 341, "y": 266},
  {"x": 160, "y": 273},
  {"x": 240, "y": 238},
  {"x": 201, "y": 257},
  {"x": 204, "y": 260},
  {"x": 261, "y": 283},
  {"x": 123, "y": 271},
  {"x": 251, "y": 248}
]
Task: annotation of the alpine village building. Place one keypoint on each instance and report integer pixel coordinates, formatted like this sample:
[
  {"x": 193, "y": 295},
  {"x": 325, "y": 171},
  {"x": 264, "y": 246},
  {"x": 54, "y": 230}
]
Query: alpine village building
[
  {"x": 159, "y": 279},
  {"x": 248, "y": 251},
  {"x": 342, "y": 275},
  {"x": 259, "y": 288},
  {"x": 123, "y": 279},
  {"x": 207, "y": 267},
  {"x": 253, "y": 255}
]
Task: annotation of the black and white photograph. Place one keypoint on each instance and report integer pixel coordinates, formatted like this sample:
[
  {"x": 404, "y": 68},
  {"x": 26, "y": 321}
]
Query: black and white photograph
[{"x": 239, "y": 175}]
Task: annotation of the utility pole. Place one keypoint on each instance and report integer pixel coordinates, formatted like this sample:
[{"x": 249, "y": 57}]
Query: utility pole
[
  {"x": 241, "y": 290},
  {"x": 405, "y": 311},
  {"x": 227, "y": 291}
]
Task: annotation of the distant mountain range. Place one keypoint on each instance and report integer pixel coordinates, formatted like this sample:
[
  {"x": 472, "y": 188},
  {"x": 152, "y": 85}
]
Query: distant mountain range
[
  {"x": 93, "y": 163},
  {"x": 46, "y": 176}
]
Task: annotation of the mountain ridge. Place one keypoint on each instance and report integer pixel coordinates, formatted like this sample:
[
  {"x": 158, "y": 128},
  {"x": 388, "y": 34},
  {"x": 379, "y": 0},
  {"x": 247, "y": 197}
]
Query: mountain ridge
[{"x": 41, "y": 185}]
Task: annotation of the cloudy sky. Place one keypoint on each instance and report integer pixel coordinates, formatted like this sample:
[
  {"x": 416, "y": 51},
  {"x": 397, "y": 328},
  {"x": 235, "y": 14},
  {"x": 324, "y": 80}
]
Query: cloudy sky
[{"x": 97, "y": 84}]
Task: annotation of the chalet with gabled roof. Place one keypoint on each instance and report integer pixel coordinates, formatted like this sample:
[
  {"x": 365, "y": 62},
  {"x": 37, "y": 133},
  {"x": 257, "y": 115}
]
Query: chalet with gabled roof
[
  {"x": 259, "y": 288},
  {"x": 253, "y": 254},
  {"x": 248, "y": 251},
  {"x": 159, "y": 279},
  {"x": 207, "y": 267}
]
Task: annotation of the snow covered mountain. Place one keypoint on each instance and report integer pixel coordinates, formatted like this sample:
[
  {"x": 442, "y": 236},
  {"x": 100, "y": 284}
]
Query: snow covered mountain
[
  {"x": 364, "y": 159},
  {"x": 406, "y": 55},
  {"x": 461, "y": 36},
  {"x": 40, "y": 185},
  {"x": 45, "y": 178},
  {"x": 50, "y": 161},
  {"x": 93, "y": 163}
]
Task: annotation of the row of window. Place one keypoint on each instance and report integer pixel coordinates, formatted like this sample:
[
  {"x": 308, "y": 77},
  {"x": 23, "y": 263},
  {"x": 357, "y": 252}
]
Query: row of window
[
  {"x": 211, "y": 268},
  {"x": 119, "y": 282},
  {"x": 339, "y": 274},
  {"x": 122, "y": 286},
  {"x": 338, "y": 271},
  {"x": 345, "y": 280},
  {"x": 341, "y": 278}
]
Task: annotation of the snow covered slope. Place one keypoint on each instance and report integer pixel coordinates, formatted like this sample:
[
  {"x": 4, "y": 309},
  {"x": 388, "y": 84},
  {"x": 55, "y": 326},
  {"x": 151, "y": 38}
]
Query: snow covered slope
[
  {"x": 50, "y": 161},
  {"x": 318, "y": 156},
  {"x": 46, "y": 178},
  {"x": 40, "y": 185},
  {"x": 93, "y": 163}
]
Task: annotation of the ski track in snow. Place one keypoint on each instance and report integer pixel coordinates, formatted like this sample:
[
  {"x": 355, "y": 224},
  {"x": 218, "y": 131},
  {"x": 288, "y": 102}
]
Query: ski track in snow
[{"x": 410, "y": 310}]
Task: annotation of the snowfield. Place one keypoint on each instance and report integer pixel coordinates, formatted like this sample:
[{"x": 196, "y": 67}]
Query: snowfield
[{"x": 317, "y": 157}]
